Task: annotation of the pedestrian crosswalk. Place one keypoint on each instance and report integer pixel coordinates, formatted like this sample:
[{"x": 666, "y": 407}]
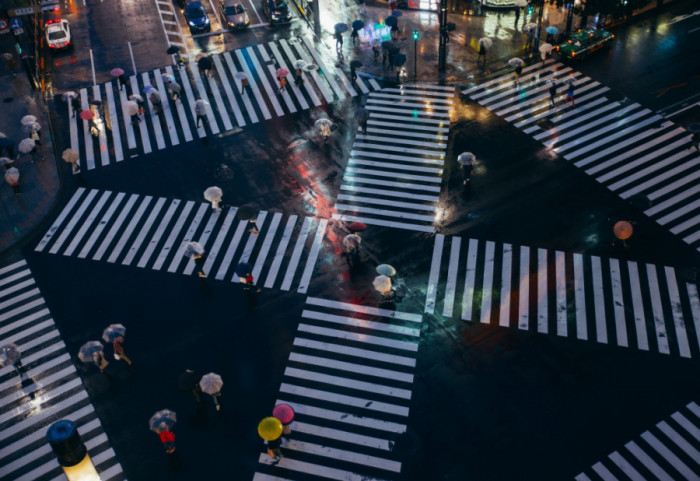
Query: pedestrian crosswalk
[
  {"x": 349, "y": 379},
  {"x": 623, "y": 303},
  {"x": 49, "y": 389},
  {"x": 629, "y": 149},
  {"x": 667, "y": 451},
  {"x": 150, "y": 232},
  {"x": 229, "y": 106},
  {"x": 394, "y": 174}
]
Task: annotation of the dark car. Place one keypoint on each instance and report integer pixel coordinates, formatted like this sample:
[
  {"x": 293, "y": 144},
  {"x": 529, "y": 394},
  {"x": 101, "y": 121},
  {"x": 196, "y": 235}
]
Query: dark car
[
  {"x": 234, "y": 14},
  {"x": 583, "y": 42},
  {"x": 196, "y": 16},
  {"x": 277, "y": 11}
]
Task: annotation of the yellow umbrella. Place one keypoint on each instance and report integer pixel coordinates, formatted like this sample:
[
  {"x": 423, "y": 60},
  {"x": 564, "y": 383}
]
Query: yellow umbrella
[{"x": 270, "y": 428}]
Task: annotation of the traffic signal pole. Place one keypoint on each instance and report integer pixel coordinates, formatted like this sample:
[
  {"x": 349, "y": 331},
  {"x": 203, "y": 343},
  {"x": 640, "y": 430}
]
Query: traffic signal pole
[{"x": 442, "y": 49}]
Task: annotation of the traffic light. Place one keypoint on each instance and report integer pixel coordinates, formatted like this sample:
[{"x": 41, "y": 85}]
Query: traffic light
[
  {"x": 530, "y": 9},
  {"x": 415, "y": 34}
]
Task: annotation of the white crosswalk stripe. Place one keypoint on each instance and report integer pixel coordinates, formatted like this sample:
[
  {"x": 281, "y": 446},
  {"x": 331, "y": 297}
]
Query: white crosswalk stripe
[
  {"x": 150, "y": 232},
  {"x": 49, "y": 388},
  {"x": 666, "y": 451},
  {"x": 349, "y": 379},
  {"x": 229, "y": 107},
  {"x": 627, "y": 304},
  {"x": 402, "y": 159},
  {"x": 627, "y": 148}
]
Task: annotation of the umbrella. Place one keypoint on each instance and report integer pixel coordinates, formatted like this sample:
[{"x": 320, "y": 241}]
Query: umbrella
[
  {"x": 9, "y": 354},
  {"x": 12, "y": 176},
  {"x": 87, "y": 115},
  {"x": 623, "y": 230},
  {"x": 200, "y": 107},
  {"x": 283, "y": 412},
  {"x": 520, "y": 3},
  {"x": 136, "y": 98},
  {"x": 193, "y": 249},
  {"x": 515, "y": 62},
  {"x": 165, "y": 417},
  {"x": 172, "y": 50},
  {"x": 243, "y": 269},
  {"x": 466, "y": 158},
  {"x": 247, "y": 212},
  {"x": 187, "y": 381},
  {"x": 282, "y": 72},
  {"x": 340, "y": 27},
  {"x": 174, "y": 87},
  {"x": 166, "y": 78},
  {"x": 270, "y": 428},
  {"x": 68, "y": 95},
  {"x": 386, "y": 270},
  {"x": 7, "y": 56},
  {"x": 240, "y": 75},
  {"x": 546, "y": 48},
  {"x": 131, "y": 107},
  {"x": 309, "y": 67},
  {"x": 357, "y": 24},
  {"x": 397, "y": 13},
  {"x": 399, "y": 60},
  {"x": 485, "y": 42},
  {"x": 357, "y": 227},
  {"x": 28, "y": 128},
  {"x": 88, "y": 349},
  {"x": 299, "y": 63},
  {"x": 116, "y": 72},
  {"x": 529, "y": 26},
  {"x": 28, "y": 119},
  {"x": 552, "y": 29},
  {"x": 113, "y": 332},
  {"x": 387, "y": 44},
  {"x": 70, "y": 155},
  {"x": 147, "y": 89},
  {"x": 213, "y": 194},
  {"x": 355, "y": 64},
  {"x": 361, "y": 114},
  {"x": 5, "y": 161},
  {"x": 382, "y": 284},
  {"x": 351, "y": 241},
  {"x": 211, "y": 383},
  {"x": 26, "y": 145},
  {"x": 391, "y": 21},
  {"x": 323, "y": 121},
  {"x": 204, "y": 63},
  {"x": 694, "y": 128}
]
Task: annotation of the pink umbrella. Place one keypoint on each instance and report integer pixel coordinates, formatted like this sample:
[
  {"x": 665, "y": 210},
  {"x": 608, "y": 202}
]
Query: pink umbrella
[
  {"x": 282, "y": 72},
  {"x": 284, "y": 413},
  {"x": 87, "y": 115},
  {"x": 116, "y": 72}
]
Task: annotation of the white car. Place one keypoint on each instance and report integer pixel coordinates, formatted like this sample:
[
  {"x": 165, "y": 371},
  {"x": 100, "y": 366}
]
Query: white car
[{"x": 57, "y": 34}]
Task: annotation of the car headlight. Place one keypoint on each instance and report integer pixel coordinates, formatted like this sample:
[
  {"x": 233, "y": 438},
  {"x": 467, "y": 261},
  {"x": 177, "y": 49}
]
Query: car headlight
[{"x": 191, "y": 23}]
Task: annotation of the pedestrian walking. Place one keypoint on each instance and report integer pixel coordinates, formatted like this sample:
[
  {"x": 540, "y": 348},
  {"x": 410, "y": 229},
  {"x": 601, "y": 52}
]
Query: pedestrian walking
[
  {"x": 17, "y": 364},
  {"x": 245, "y": 86},
  {"x": 283, "y": 83},
  {"x": 326, "y": 132},
  {"x": 530, "y": 39},
  {"x": 174, "y": 90},
  {"x": 393, "y": 4},
  {"x": 35, "y": 132},
  {"x": 98, "y": 358},
  {"x": 467, "y": 170},
  {"x": 570, "y": 93},
  {"x": 695, "y": 139},
  {"x": 395, "y": 31},
  {"x": 199, "y": 262},
  {"x": 550, "y": 39},
  {"x": 552, "y": 93},
  {"x": 249, "y": 282},
  {"x": 391, "y": 61},
  {"x": 353, "y": 36},
  {"x": 353, "y": 73},
  {"x": 517, "y": 15},
  {"x": 361, "y": 7},
  {"x": 200, "y": 109},
  {"x": 338, "y": 41},
  {"x": 298, "y": 78},
  {"x": 122, "y": 81},
  {"x": 10, "y": 354},
  {"x": 274, "y": 449},
  {"x": 75, "y": 103},
  {"x": 375, "y": 49},
  {"x": 94, "y": 129},
  {"x": 118, "y": 346},
  {"x": 156, "y": 101},
  {"x": 482, "y": 52},
  {"x": 167, "y": 437},
  {"x": 516, "y": 74}
]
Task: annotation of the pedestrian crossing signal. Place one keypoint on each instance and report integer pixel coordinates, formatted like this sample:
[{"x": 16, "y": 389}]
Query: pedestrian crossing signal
[
  {"x": 415, "y": 35},
  {"x": 530, "y": 9}
]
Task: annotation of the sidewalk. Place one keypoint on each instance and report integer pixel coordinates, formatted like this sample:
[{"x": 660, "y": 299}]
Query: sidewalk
[{"x": 39, "y": 177}]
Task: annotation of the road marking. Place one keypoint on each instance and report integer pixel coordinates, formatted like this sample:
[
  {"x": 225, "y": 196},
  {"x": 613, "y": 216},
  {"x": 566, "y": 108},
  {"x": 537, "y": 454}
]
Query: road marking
[
  {"x": 174, "y": 233},
  {"x": 451, "y": 287},
  {"x": 115, "y": 228}
]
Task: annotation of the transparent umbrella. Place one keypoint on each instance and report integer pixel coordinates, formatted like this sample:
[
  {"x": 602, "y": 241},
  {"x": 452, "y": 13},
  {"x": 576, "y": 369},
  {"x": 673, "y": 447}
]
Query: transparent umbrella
[
  {"x": 5, "y": 161},
  {"x": 529, "y": 27},
  {"x": 29, "y": 128},
  {"x": 28, "y": 119},
  {"x": 545, "y": 48},
  {"x": 240, "y": 75},
  {"x": 70, "y": 155},
  {"x": 136, "y": 98},
  {"x": 299, "y": 63},
  {"x": 323, "y": 121},
  {"x": 131, "y": 107},
  {"x": 26, "y": 145},
  {"x": 200, "y": 107},
  {"x": 386, "y": 270},
  {"x": 516, "y": 62},
  {"x": 485, "y": 42},
  {"x": 68, "y": 95},
  {"x": 9, "y": 354},
  {"x": 113, "y": 332},
  {"x": 351, "y": 241},
  {"x": 466, "y": 158},
  {"x": 520, "y": 3},
  {"x": 162, "y": 420},
  {"x": 382, "y": 284},
  {"x": 211, "y": 383},
  {"x": 88, "y": 349},
  {"x": 12, "y": 176},
  {"x": 213, "y": 195},
  {"x": 193, "y": 249}
]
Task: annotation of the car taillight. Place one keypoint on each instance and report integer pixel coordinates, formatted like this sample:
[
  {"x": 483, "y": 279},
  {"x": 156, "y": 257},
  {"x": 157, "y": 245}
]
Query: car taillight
[
  {"x": 557, "y": 48},
  {"x": 573, "y": 54},
  {"x": 613, "y": 36}
]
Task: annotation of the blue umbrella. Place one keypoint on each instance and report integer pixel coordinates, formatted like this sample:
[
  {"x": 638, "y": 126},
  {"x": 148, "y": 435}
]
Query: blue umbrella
[
  {"x": 391, "y": 21},
  {"x": 399, "y": 59},
  {"x": 243, "y": 269},
  {"x": 341, "y": 27},
  {"x": 357, "y": 24},
  {"x": 397, "y": 13},
  {"x": 551, "y": 29}
]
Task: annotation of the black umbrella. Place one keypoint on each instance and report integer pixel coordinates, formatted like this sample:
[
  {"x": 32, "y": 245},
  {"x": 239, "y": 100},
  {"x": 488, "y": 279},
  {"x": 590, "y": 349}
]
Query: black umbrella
[
  {"x": 204, "y": 63},
  {"x": 355, "y": 64},
  {"x": 393, "y": 50},
  {"x": 341, "y": 27},
  {"x": 187, "y": 381},
  {"x": 391, "y": 21},
  {"x": 247, "y": 212},
  {"x": 357, "y": 24},
  {"x": 386, "y": 45},
  {"x": 243, "y": 269},
  {"x": 172, "y": 50},
  {"x": 399, "y": 60}
]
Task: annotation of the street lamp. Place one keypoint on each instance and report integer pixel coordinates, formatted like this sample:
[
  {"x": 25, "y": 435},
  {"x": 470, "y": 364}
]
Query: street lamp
[
  {"x": 71, "y": 452},
  {"x": 415, "y": 53}
]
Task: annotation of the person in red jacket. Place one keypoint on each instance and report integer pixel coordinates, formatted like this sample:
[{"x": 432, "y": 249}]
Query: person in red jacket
[{"x": 167, "y": 437}]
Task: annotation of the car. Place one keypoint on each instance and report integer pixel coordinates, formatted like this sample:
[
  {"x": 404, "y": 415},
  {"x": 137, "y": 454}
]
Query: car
[
  {"x": 583, "y": 42},
  {"x": 57, "y": 34},
  {"x": 277, "y": 11},
  {"x": 234, "y": 14},
  {"x": 196, "y": 16}
]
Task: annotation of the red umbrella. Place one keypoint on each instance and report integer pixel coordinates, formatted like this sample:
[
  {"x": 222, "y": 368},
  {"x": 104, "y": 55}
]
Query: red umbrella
[
  {"x": 87, "y": 115},
  {"x": 284, "y": 413},
  {"x": 357, "y": 227}
]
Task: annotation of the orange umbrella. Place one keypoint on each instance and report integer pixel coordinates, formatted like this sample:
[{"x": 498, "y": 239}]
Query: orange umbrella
[{"x": 623, "y": 230}]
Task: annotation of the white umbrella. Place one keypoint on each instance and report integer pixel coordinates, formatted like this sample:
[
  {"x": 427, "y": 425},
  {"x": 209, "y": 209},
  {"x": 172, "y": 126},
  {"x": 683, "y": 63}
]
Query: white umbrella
[
  {"x": 200, "y": 107},
  {"x": 466, "y": 158},
  {"x": 515, "y": 62},
  {"x": 174, "y": 87},
  {"x": 167, "y": 78},
  {"x": 545, "y": 48},
  {"x": 88, "y": 349},
  {"x": 136, "y": 98},
  {"x": 382, "y": 284},
  {"x": 486, "y": 42},
  {"x": 240, "y": 75},
  {"x": 5, "y": 161},
  {"x": 68, "y": 95},
  {"x": 113, "y": 332},
  {"x": 529, "y": 26},
  {"x": 70, "y": 155},
  {"x": 12, "y": 176},
  {"x": 162, "y": 420},
  {"x": 386, "y": 270},
  {"x": 520, "y": 3},
  {"x": 211, "y": 383},
  {"x": 299, "y": 64},
  {"x": 26, "y": 145},
  {"x": 323, "y": 121},
  {"x": 9, "y": 354},
  {"x": 213, "y": 195},
  {"x": 28, "y": 119},
  {"x": 131, "y": 107},
  {"x": 194, "y": 249},
  {"x": 351, "y": 241},
  {"x": 34, "y": 126}
]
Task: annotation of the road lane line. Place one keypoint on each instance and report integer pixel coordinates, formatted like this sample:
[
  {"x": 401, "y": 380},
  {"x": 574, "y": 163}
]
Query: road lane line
[
  {"x": 155, "y": 118},
  {"x": 115, "y": 228},
  {"x": 104, "y": 151},
  {"x": 313, "y": 255},
  {"x": 245, "y": 95},
  {"x": 431, "y": 294},
  {"x": 158, "y": 234},
  {"x": 87, "y": 223},
  {"x": 68, "y": 229},
  {"x": 486, "y": 289},
  {"x": 87, "y": 135},
  {"x": 524, "y": 289},
  {"x": 506, "y": 275},
  {"x": 452, "y": 271},
  {"x": 296, "y": 254},
  {"x": 129, "y": 229},
  {"x": 179, "y": 106},
  {"x": 145, "y": 139},
  {"x": 114, "y": 122},
  {"x": 638, "y": 308},
  {"x": 141, "y": 236},
  {"x": 580, "y": 298},
  {"x": 174, "y": 232},
  {"x": 218, "y": 242},
  {"x": 221, "y": 72},
  {"x": 166, "y": 106},
  {"x": 231, "y": 250},
  {"x": 469, "y": 278},
  {"x": 542, "y": 292},
  {"x": 599, "y": 301}
]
